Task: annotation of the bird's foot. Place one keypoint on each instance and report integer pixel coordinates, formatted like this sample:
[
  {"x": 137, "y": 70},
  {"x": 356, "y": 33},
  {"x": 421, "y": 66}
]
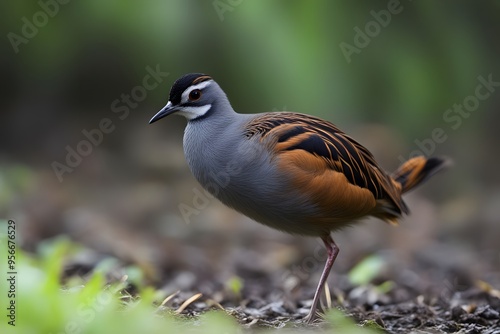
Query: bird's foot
[{"x": 314, "y": 316}]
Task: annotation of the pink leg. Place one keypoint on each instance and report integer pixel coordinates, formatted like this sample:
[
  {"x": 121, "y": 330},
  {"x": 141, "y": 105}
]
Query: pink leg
[{"x": 333, "y": 251}]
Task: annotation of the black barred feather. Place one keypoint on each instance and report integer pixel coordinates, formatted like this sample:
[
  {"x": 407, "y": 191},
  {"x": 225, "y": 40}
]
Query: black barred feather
[{"x": 323, "y": 139}]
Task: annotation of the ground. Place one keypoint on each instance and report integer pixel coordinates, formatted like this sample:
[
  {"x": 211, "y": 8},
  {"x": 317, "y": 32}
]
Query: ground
[{"x": 423, "y": 297}]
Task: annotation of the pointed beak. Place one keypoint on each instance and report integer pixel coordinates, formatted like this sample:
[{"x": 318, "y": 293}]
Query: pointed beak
[{"x": 165, "y": 111}]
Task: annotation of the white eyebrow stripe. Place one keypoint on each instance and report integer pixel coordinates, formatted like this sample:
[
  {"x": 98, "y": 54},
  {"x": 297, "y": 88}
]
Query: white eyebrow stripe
[{"x": 201, "y": 85}]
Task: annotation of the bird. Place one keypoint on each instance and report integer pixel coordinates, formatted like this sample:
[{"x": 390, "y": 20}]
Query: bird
[{"x": 290, "y": 171}]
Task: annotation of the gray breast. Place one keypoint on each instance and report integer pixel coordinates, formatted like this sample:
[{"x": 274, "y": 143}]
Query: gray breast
[{"x": 241, "y": 173}]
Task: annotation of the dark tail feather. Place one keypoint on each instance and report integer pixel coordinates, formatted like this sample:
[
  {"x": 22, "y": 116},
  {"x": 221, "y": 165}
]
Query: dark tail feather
[{"x": 418, "y": 169}]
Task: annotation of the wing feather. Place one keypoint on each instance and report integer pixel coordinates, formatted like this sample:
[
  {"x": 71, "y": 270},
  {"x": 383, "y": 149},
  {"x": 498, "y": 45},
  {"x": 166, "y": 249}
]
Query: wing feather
[{"x": 330, "y": 152}]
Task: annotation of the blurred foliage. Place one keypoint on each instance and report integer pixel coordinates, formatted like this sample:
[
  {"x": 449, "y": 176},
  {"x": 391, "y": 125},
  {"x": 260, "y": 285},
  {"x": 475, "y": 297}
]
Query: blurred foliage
[
  {"x": 346, "y": 326},
  {"x": 366, "y": 269},
  {"x": 234, "y": 285},
  {"x": 266, "y": 54}
]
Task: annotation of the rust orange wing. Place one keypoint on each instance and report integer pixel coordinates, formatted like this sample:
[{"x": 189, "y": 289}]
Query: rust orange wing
[{"x": 340, "y": 175}]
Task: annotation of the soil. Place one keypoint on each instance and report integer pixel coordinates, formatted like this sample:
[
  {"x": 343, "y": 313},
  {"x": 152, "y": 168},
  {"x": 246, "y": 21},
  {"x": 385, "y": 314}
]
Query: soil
[{"x": 423, "y": 298}]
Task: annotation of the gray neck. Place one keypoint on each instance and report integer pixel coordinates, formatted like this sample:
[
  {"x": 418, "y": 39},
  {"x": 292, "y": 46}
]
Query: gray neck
[
  {"x": 220, "y": 115},
  {"x": 209, "y": 141}
]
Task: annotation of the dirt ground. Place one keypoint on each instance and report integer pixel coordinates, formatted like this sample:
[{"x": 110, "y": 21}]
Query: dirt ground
[{"x": 428, "y": 296}]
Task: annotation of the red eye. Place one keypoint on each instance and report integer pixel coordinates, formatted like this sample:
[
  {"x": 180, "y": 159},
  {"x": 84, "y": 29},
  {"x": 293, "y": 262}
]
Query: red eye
[{"x": 195, "y": 95}]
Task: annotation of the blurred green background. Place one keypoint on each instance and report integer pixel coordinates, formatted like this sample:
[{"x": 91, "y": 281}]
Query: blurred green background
[{"x": 391, "y": 94}]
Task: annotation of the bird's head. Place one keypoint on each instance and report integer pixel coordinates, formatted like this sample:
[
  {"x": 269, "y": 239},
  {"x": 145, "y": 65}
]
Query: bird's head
[{"x": 192, "y": 96}]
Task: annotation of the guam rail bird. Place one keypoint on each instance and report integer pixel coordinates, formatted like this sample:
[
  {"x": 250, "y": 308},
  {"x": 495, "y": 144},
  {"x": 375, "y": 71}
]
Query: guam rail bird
[{"x": 292, "y": 172}]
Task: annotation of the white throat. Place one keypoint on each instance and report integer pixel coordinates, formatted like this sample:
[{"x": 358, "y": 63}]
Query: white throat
[{"x": 194, "y": 112}]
